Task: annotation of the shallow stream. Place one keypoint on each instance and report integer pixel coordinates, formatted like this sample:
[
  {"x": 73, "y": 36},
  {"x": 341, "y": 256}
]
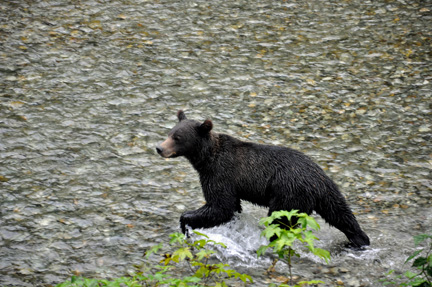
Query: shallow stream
[{"x": 88, "y": 88}]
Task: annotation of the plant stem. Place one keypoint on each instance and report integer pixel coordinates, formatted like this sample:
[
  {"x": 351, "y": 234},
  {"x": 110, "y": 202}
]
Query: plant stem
[
  {"x": 289, "y": 265},
  {"x": 190, "y": 266},
  {"x": 423, "y": 267},
  {"x": 271, "y": 269}
]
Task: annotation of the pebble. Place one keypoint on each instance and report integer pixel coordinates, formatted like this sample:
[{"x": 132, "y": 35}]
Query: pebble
[
  {"x": 180, "y": 207},
  {"x": 353, "y": 283},
  {"x": 424, "y": 129},
  {"x": 11, "y": 78},
  {"x": 334, "y": 270}
]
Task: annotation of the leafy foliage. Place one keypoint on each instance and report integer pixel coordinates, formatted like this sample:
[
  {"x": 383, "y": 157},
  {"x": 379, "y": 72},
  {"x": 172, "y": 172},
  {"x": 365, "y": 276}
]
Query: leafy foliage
[
  {"x": 423, "y": 277},
  {"x": 283, "y": 228},
  {"x": 195, "y": 254}
]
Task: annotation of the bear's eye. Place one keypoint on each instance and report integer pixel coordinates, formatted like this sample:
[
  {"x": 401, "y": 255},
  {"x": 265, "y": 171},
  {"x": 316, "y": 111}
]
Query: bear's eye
[{"x": 176, "y": 138}]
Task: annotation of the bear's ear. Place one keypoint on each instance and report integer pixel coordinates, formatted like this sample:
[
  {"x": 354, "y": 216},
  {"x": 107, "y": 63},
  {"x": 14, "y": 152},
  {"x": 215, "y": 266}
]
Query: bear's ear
[
  {"x": 205, "y": 127},
  {"x": 181, "y": 115}
]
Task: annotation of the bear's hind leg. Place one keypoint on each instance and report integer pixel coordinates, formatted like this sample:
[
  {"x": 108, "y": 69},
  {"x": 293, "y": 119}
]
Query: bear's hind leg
[
  {"x": 348, "y": 224},
  {"x": 337, "y": 213}
]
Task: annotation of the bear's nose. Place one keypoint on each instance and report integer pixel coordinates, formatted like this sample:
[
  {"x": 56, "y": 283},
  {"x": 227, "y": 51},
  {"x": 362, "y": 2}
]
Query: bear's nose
[{"x": 159, "y": 149}]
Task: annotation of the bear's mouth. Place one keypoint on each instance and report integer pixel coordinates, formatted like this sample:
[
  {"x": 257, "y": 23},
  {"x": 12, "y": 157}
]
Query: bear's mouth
[
  {"x": 171, "y": 155},
  {"x": 164, "y": 153},
  {"x": 166, "y": 150}
]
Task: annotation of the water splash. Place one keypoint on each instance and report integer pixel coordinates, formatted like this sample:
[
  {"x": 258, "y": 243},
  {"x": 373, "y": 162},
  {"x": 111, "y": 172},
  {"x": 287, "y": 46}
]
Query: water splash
[{"x": 242, "y": 239}]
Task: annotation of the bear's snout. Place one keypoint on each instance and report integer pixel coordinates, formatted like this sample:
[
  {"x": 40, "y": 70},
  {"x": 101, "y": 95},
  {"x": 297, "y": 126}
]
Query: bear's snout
[
  {"x": 159, "y": 149},
  {"x": 167, "y": 148}
]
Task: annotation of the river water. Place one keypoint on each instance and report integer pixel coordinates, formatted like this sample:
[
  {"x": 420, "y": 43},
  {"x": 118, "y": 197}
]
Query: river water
[{"x": 88, "y": 88}]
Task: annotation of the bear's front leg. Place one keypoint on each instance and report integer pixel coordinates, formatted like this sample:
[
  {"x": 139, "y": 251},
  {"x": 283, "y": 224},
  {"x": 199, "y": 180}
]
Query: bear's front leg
[
  {"x": 205, "y": 217},
  {"x": 186, "y": 219}
]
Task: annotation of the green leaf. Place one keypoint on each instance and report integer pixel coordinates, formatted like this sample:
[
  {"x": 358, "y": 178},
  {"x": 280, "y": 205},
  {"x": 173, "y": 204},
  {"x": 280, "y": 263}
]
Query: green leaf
[
  {"x": 167, "y": 259},
  {"x": 280, "y": 243},
  {"x": 429, "y": 270},
  {"x": 163, "y": 268},
  {"x": 418, "y": 282},
  {"x": 414, "y": 255},
  {"x": 221, "y": 268},
  {"x": 309, "y": 238},
  {"x": 311, "y": 222},
  {"x": 200, "y": 234},
  {"x": 159, "y": 276},
  {"x": 271, "y": 230},
  {"x": 202, "y": 271},
  {"x": 420, "y": 238},
  {"x": 312, "y": 282},
  {"x": 324, "y": 254},
  {"x": 419, "y": 262},
  {"x": 90, "y": 282},
  {"x": 289, "y": 236},
  {"x": 291, "y": 214},
  {"x": 74, "y": 279},
  {"x": 266, "y": 221},
  {"x": 262, "y": 250},
  {"x": 141, "y": 277},
  {"x": 199, "y": 243},
  {"x": 245, "y": 277},
  {"x": 153, "y": 250},
  {"x": 279, "y": 215},
  {"x": 181, "y": 254},
  {"x": 410, "y": 275},
  {"x": 191, "y": 279},
  {"x": 203, "y": 254},
  {"x": 177, "y": 237},
  {"x": 220, "y": 244}
]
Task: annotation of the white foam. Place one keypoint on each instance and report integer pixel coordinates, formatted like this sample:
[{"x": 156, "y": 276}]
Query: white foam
[{"x": 242, "y": 239}]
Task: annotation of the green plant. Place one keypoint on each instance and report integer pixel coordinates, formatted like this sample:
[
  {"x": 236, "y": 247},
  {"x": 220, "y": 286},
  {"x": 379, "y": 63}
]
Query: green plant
[
  {"x": 76, "y": 281},
  {"x": 423, "y": 277},
  {"x": 194, "y": 254},
  {"x": 284, "y": 228}
]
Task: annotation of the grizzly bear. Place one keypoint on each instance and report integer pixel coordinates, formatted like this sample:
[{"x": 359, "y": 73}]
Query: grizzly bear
[{"x": 231, "y": 170}]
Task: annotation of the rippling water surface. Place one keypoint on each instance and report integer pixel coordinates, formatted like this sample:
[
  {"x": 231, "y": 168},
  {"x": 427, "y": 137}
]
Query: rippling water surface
[{"x": 88, "y": 88}]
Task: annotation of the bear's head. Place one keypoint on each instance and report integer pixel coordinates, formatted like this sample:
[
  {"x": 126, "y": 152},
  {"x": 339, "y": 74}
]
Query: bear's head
[{"x": 185, "y": 138}]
